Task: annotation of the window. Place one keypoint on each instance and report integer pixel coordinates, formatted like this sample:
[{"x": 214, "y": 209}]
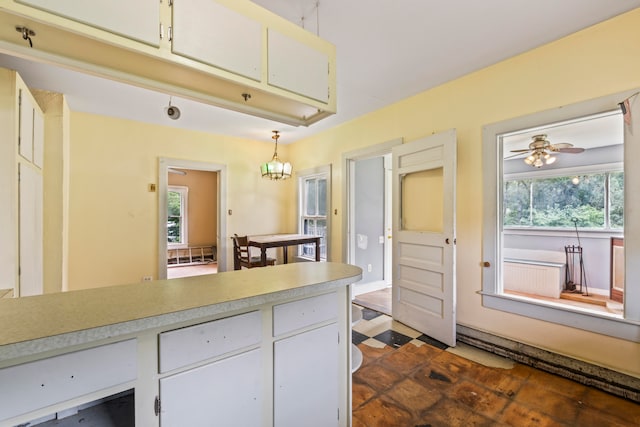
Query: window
[
  {"x": 177, "y": 235},
  {"x": 590, "y": 201},
  {"x": 314, "y": 200},
  {"x": 577, "y": 200}
]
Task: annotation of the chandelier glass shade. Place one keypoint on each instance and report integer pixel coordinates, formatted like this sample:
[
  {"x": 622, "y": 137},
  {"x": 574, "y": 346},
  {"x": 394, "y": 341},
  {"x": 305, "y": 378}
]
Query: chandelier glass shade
[{"x": 276, "y": 169}]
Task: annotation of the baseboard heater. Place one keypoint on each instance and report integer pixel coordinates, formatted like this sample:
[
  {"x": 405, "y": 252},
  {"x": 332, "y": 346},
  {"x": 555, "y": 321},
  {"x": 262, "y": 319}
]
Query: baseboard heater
[
  {"x": 534, "y": 277},
  {"x": 613, "y": 382}
]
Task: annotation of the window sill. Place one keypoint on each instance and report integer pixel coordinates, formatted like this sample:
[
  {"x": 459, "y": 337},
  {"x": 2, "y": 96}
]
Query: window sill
[
  {"x": 563, "y": 232},
  {"x": 601, "y": 323},
  {"x": 177, "y": 246}
]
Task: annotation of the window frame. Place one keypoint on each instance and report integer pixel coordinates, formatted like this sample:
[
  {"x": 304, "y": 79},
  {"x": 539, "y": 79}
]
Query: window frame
[
  {"x": 184, "y": 215},
  {"x": 302, "y": 177},
  {"x": 627, "y": 328}
]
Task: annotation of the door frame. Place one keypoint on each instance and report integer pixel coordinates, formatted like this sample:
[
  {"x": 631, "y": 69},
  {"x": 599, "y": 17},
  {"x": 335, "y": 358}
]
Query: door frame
[
  {"x": 164, "y": 164},
  {"x": 348, "y": 196}
]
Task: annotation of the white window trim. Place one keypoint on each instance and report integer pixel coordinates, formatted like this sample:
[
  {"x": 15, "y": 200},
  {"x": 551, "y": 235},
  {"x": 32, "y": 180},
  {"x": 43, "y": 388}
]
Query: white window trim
[
  {"x": 320, "y": 172},
  {"x": 184, "y": 193},
  {"x": 492, "y": 295}
]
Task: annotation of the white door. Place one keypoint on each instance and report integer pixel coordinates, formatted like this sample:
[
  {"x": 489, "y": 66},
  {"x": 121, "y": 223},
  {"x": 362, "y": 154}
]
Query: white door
[{"x": 423, "y": 290}]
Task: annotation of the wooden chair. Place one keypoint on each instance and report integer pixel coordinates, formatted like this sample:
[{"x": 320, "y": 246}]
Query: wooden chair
[{"x": 242, "y": 256}]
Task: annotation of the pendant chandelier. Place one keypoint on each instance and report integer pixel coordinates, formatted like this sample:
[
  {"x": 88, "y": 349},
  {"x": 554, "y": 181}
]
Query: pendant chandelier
[{"x": 276, "y": 169}]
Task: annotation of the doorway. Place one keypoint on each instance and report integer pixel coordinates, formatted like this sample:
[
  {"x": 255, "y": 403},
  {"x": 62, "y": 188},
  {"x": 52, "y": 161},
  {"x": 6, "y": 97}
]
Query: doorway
[
  {"x": 368, "y": 222},
  {"x": 191, "y": 232}
]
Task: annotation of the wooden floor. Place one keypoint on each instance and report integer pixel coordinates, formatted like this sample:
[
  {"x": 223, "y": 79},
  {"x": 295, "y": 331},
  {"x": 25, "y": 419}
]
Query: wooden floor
[
  {"x": 192, "y": 270},
  {"x": 377, "y": 300}
]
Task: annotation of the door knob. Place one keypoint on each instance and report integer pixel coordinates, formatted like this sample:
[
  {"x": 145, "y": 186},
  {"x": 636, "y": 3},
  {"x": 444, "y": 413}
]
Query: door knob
[{"x": 486, "y": 264}]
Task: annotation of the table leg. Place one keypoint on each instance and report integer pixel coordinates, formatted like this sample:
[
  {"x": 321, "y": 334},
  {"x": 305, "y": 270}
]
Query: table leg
[
  {"x": 263, "y": 257},
  {"x": 285, "y": 254},
  {"x": 317, "y": 250}
]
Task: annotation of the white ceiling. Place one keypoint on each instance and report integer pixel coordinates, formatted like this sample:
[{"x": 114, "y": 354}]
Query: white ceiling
[
  {"x": 600, "y": 130},
  {"x": 386, "y": 51}
]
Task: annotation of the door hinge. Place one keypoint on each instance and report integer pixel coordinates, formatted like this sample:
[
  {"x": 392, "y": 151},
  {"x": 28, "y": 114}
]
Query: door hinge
[
  {"x": 169, "y": 33},
  {"x": 161, "y": 31},
  {"x": 156, "y": 406}
]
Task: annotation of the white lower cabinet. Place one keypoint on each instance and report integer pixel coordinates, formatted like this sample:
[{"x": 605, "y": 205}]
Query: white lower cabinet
[
  {"x": 227, "y": 392},
  {"x": 306, "y": 379}
]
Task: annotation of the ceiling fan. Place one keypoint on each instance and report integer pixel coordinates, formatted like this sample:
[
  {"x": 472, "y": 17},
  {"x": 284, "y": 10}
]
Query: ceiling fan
[{"x": 540, "y": 151}]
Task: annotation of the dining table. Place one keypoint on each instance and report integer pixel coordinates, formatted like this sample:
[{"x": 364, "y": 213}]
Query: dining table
[{"x": 266, "y": 241}]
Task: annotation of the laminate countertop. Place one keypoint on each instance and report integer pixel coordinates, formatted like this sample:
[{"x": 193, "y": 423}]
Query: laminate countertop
[{"x": 37, "y": 324}]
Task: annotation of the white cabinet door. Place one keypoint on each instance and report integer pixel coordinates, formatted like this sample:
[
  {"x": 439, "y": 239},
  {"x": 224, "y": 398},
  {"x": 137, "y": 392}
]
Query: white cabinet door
[
  {"x": 138, "y": 20},
  {"x": 216, "y": 35},
  {"x": 297, "y": 67},
  {"x": 30, "y": 231},
  {"x": 26, "y": 125},
  {"x": 306, "y": 379},
  {"x": 228, "y": 392}
]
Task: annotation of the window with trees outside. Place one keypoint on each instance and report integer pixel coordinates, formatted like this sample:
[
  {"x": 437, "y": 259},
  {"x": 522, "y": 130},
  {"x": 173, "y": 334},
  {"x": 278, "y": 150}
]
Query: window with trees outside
[
  {"x": 536, "y": 212},
  {"x": 177, "y": 203},
  {"x": 589, "y": 201},
  {"x": 313, "y": 196}
]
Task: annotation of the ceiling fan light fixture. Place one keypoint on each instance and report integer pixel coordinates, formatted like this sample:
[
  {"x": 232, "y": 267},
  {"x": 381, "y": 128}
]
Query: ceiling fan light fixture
[{"x": 541, "y": 151}]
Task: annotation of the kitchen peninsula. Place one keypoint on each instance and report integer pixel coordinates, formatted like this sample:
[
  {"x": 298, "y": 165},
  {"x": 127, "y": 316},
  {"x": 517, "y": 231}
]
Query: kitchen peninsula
[{"x": 264, "y": 347}]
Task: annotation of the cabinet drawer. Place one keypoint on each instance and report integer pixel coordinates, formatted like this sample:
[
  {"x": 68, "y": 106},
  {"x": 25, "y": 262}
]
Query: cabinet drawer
[
  {"x": 306, "y": 312},
  {"x": 193, "y": 344},
  {"x": 35, "y": 385}
]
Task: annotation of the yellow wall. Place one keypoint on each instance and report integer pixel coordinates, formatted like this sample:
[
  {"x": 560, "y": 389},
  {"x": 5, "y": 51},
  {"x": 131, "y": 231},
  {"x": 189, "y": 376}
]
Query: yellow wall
[
  {"x": 113, "y": 218},
  {"x": 601, "y": 60},
  {"x": 202, "y": 205}
]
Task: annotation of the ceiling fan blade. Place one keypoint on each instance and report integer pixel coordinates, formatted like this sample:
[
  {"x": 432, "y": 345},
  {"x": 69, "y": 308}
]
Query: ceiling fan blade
[
  {"x": 574, "y": 150},
  {"x": 561, "y": 145},
  {"x": 524, "y": 150},
  {"x": 515, "y": 155}
]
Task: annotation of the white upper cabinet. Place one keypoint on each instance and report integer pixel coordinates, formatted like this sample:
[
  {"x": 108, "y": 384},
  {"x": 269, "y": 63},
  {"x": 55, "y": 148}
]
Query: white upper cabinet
[
  {"x": 228, "y": 53},
  {"x": 137, "y": 19},
  {"x": 297, "y": 67},
  {"x": 216, "y": 35}
]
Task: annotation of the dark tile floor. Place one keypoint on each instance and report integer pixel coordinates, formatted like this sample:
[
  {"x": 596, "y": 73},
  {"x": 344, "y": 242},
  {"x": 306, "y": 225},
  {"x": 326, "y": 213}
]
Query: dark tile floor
[{"x": 407, "y": 379}]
